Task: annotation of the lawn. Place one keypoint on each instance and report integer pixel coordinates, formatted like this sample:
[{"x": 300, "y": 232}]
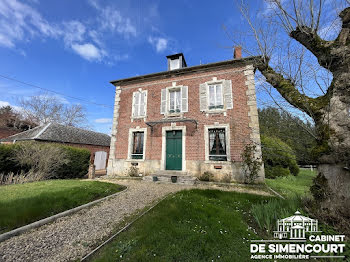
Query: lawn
[
  {"x": 293, "y": 185},
  {"x": 25, "y": 203},
  {"x": 194, "y": 225}
]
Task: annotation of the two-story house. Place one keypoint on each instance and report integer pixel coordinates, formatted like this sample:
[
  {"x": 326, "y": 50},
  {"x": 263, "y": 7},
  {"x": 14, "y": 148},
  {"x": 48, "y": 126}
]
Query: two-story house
[{"x": 187, "y": 119}]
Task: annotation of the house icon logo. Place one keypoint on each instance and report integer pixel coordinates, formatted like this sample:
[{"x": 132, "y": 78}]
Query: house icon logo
[{"x": 295, "y": 227}]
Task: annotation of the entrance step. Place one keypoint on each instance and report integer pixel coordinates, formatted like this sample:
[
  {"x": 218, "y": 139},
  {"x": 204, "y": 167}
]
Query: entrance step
[{"x": 165, "y": 176}]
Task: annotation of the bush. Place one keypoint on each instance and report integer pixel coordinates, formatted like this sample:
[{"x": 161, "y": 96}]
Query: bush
[
  {"x": 277, "y": 155},
  {"x": 251, "y": 164},
  {"x": 8, "y": 163},
  {"x": 276, "y": 171},
  {"x": 42, "y": 161},
  {"x": 206, "y": 176},
  {"x": 77, "y": 165}
]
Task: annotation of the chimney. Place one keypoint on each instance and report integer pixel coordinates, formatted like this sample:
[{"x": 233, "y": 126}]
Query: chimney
[
  {"x": 176, "y": 61},
  {"x": 237, "y": 53}
]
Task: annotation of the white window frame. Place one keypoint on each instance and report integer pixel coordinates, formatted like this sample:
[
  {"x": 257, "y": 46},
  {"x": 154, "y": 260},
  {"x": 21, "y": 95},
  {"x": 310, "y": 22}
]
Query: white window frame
[
  {"x": 215, "y": 90},
  {"x": 170, "y": 90},
  {"x": 227, "y": 137},
  {"x": 139, "y": 104},
  {"x": 131, "y": 141}
]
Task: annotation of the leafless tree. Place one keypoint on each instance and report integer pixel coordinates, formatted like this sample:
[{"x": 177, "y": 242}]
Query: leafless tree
[
  {"x": 43, "y": 108},
  {"x": 302, "y": 50}
]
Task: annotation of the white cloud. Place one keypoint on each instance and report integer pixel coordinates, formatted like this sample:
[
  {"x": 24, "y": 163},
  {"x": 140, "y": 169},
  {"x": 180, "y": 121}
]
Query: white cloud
[
  {"x": 111, "y": 19},
  {"x": 103, "y": 120},
  {"x": 88, "y": 51},
  {"x": 159, "y": 43},
  {"x": 20, "y": 22}
]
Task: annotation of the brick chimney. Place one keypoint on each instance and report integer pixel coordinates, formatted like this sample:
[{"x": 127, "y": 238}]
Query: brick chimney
[{"x": 237, "y": 53}]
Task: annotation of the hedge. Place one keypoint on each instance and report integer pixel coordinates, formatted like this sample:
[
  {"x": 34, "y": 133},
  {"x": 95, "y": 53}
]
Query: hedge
[
  {"x": 279, "y": 159},
  {"x": 78, "y": 163},
  {"x": 76, "y": 167}
]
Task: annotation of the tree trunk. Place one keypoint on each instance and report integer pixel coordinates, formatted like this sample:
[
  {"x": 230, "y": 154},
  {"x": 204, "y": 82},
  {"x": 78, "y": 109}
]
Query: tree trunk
[{"x": 331, "y": 112}]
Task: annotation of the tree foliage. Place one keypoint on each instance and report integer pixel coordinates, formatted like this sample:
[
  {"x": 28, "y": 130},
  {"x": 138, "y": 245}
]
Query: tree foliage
[
  {"x": 299, "y": 135},
  {"x": 279, "y": 158}
]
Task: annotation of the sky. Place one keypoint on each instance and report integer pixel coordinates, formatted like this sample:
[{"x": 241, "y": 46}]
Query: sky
[{"x": 76, "y": 47}]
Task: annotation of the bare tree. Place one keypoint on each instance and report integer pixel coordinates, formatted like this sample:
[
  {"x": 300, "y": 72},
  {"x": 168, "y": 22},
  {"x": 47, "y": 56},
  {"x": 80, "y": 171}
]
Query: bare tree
[
  {"x": 43, "y": 108},
  {"x": 304, "y": 54}
]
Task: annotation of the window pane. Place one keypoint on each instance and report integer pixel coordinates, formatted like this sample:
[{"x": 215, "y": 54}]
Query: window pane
[
  {"x": 211, "y": 96},
  {"x": 178, "y": 100},
  {"x": 172, "y": 102},
  {"x": 217, "y": 144},
  {"x": 219, "y": 95},
  {"x": 137, "y": 152}
]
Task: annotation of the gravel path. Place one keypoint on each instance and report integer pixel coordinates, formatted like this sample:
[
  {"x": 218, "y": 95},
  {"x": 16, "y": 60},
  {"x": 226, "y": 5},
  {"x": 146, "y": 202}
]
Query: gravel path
[{"x": 72, "y": 237}]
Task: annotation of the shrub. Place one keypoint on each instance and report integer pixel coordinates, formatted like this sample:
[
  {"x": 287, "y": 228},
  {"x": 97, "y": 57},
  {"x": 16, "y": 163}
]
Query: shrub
[
  {"x": 31, "y": 161},
  {"x": 77, "y": 165},
  {"x": 276, "y": 171},
  {"x": 226, "y": 178},
  {"x": 43, "y": 159},
  {"x": 206, "y": 176},
  {"x": 278, "y": 154},
  {"x": 251, "y": 164},
  {"x": 133, "y": 171},
  {"x": 8, "y": 163}
]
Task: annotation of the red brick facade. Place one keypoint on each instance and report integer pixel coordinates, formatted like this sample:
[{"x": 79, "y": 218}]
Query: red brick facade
[{"x": 237, "y": 118}]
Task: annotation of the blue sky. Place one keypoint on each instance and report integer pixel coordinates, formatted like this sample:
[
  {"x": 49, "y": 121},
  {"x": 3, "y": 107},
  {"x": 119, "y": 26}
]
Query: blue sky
[{"x": 77, "y": 47}]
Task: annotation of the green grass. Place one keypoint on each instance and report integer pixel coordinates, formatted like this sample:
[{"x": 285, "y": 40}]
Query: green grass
[
  {"x": 25, "y": 203},
  {"x": 292, "y": 186},
  {"x": 195, "y": 225}
]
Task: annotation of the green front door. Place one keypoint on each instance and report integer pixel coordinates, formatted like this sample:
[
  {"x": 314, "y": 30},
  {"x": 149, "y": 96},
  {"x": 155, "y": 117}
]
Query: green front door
[{"x": 173, "y": 150}]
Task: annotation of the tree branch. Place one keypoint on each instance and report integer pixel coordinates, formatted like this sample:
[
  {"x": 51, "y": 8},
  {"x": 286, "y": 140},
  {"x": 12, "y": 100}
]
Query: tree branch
[
  {"x": 286, "y": 88},
  {"x": 314, "y": 43}
]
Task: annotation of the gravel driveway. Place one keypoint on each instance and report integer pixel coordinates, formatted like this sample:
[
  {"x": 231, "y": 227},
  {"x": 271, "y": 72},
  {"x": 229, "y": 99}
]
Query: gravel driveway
[{"x": 72, "y": 237}]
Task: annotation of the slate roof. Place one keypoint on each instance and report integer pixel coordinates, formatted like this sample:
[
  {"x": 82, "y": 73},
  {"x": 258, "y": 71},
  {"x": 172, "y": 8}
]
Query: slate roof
[{"x": 59, "y": 133}]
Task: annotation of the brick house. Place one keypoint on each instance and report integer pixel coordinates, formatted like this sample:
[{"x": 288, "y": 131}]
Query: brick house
[
  {"x": 186, "y": 120},
  {"x": 96, "y": 143}
]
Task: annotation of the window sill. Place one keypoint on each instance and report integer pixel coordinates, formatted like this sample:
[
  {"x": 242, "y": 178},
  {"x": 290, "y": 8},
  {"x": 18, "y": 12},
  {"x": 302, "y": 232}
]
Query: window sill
[
  {"x": 215, "y": 111},
  {"x": 227, "y": 162},
  {"x": 134, "y": 160},
  {"x": 173, "y": 115}
]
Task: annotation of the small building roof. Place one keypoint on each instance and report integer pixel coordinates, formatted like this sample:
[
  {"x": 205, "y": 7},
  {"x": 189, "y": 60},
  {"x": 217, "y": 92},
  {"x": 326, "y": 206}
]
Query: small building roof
[{"x": 54, "y": 132}]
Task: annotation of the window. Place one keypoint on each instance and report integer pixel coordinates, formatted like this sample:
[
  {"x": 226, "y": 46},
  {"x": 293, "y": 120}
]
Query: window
[
  {"x": 175, "y": 101},
  {"x": 216, "y": 97},
  {"x": 174, "y": 64},
  {"x": 217, "y": 144},
  {"x": 139, "y": 104},
  {"x": 137, "y": 146}
]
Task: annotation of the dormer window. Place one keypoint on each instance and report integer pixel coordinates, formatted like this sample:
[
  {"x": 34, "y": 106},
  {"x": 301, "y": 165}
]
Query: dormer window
[
  {"x": 174, "y": 64},
  {"x": 176, "y": 61}
]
